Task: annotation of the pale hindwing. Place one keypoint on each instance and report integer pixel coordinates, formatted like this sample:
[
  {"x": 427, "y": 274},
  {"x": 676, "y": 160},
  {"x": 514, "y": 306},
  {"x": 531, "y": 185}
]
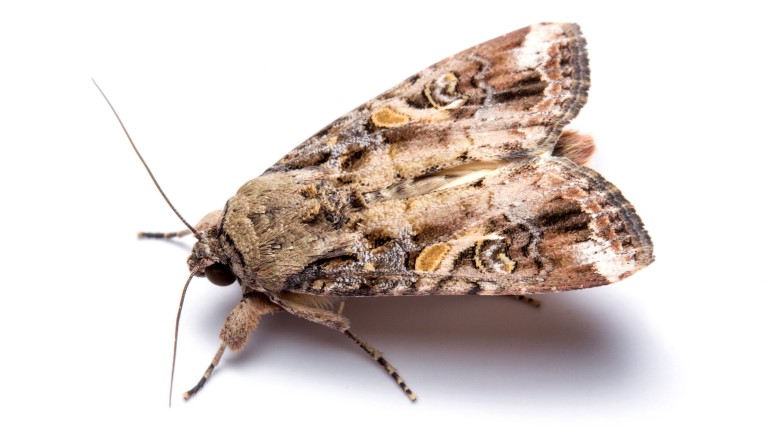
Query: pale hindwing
[
  {"x": 536, "y": 225},
  {"x": 503, "y": 99}
]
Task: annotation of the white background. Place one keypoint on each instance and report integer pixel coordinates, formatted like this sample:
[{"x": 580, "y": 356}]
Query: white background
[{"x": 213, "y": 93}]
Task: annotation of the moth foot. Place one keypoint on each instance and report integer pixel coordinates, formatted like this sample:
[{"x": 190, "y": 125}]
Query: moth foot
[
  {"x": 527, "y": 300},
  {"x": 379, "y": 358},
  {"x": 207, "y": 373},
  {"x": 166, "y": 236}
]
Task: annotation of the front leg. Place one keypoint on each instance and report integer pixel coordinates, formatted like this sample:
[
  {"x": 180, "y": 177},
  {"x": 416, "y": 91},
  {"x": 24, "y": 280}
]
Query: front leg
[
  {"x": 238, "y": 326},
  {"x": 244, "y": 319},
  {"x": 209, "y": 220}
]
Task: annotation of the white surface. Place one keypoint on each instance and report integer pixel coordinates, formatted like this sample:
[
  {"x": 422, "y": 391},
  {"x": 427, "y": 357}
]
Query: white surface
[{"x": 213, "y": 94}]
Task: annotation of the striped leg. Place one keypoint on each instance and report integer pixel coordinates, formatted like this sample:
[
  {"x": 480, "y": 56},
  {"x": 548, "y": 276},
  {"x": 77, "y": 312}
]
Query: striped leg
[
  {"x": 144, "y": 235},
  {"x": 527, "y": 300},
  {"x": 207, "y": 373},
  {"x": 209, "y": 220},
  {"x": 378, "y": 357}
]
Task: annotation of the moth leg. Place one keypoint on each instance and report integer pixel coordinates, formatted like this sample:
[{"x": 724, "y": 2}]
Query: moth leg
[
  {"x": 527, "y": 300},
  {"x": 147, "y": 235},
  {"x": 379, "y": 358},
  {"x": 215, "y": 360},
  {"x": 209, "y": 220},
  {"x": 238, "y": 326},
  {"x": 304, "y": 306}
]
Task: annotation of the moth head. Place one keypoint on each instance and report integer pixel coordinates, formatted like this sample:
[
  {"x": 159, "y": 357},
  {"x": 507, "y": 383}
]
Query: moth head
[{"x": 207, "y": 262}]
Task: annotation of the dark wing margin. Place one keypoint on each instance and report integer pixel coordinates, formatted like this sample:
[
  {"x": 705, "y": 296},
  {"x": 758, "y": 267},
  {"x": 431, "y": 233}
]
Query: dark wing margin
[{"x": 506, "y": 98}]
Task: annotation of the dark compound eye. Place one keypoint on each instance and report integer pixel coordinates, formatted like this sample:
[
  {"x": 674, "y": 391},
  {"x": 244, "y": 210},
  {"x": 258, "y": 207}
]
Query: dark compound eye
[{"x": 219, "y": 274}]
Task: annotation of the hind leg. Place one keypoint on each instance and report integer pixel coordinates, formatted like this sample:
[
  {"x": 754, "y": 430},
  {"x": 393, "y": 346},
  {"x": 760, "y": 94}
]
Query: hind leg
[
  {"x": 303, "y": 306},
  {"x": 527, "y": 300}
]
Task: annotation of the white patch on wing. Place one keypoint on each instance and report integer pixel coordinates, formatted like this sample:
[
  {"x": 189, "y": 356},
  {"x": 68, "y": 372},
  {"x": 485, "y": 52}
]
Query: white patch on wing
[
  {"x": 532, "y": 54},
  {"x": 454, "y": 181},
  {"x": 608, "y": 263},
  {"x": 441, "y": 180}
]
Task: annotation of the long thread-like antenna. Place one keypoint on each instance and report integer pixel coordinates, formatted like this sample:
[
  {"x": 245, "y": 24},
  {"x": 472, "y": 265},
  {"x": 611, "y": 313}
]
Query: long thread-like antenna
[
  {"x": 177, "y": 328},
  {"x": 152, "y": 177}
]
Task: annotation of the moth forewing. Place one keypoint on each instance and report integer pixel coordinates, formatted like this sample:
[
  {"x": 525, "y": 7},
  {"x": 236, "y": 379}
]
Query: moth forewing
[{"x": 459, "y": 180}]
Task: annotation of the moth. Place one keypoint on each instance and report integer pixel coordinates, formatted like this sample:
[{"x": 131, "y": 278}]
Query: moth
[{"x": 458, "y": 181}]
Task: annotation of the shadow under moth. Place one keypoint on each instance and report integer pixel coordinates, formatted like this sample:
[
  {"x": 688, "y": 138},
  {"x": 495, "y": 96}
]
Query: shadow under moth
[{"x": 459, "y": 181}]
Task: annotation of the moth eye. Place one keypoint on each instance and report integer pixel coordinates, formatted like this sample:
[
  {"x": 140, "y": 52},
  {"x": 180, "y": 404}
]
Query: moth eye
[{"x": 219, "y": 274}]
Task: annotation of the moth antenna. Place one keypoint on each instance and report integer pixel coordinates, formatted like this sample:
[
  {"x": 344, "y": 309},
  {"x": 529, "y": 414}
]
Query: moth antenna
[
  {"x": 147, "y": 168},
  {"x": 177, "y": 329}
]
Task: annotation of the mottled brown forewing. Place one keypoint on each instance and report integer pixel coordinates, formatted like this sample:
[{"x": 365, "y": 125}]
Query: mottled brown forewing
[
  {"x": 502, "y": 99},
  {"x": 456, "y": 181}
]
